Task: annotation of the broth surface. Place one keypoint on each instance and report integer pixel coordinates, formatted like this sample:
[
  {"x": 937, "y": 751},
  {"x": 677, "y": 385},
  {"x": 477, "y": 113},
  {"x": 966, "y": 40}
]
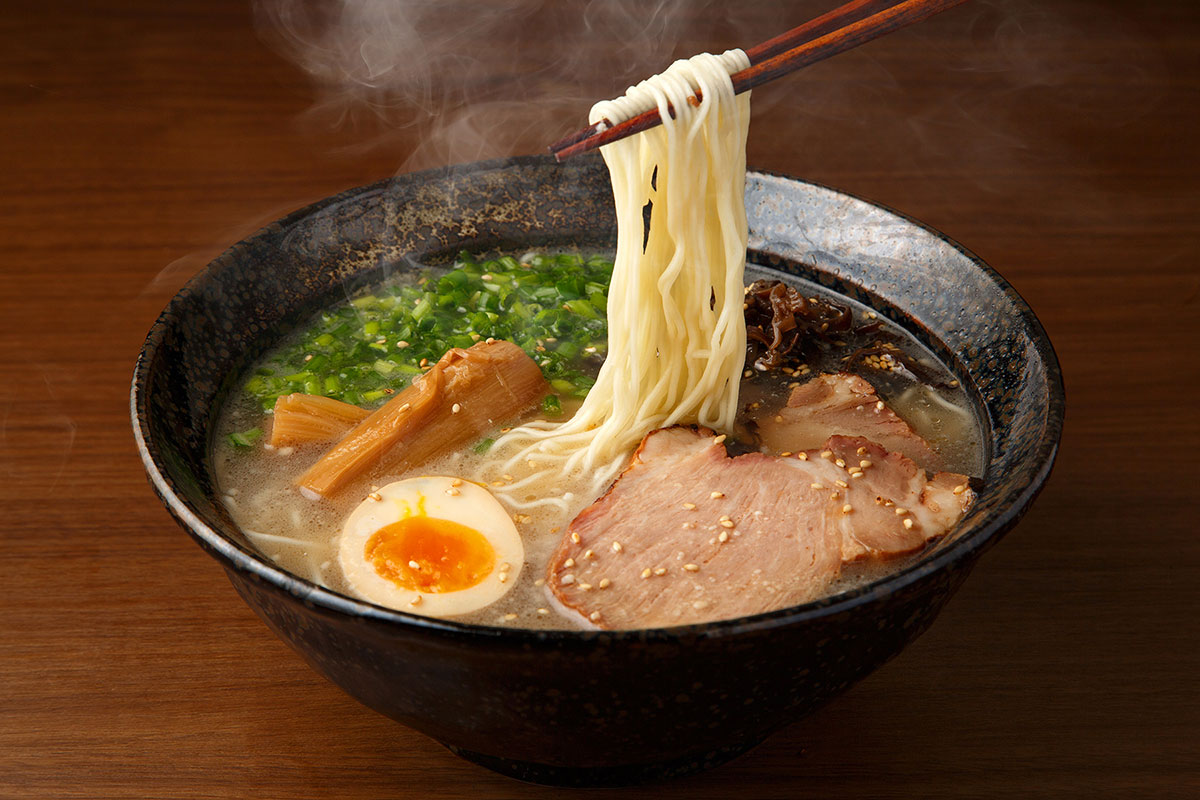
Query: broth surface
[{"x": 301, "y": 535}]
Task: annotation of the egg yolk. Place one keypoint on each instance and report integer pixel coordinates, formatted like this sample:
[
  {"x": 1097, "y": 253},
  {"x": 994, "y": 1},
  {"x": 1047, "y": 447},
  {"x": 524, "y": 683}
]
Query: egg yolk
[{"x": 430, "y": 555}]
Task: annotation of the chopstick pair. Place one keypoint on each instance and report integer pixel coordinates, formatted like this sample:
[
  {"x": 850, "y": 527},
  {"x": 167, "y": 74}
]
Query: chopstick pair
[{"x": 837, "y": 31}]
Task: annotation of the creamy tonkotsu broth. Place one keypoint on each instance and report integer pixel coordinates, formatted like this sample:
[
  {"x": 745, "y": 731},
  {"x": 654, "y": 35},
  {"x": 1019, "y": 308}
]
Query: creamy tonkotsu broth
[{"x": 301, "y": 535}]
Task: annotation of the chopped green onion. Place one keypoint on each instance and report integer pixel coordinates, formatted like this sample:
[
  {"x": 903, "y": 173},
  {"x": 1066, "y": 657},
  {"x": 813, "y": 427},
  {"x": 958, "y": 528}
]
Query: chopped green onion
[
  {"x": 552, "y": 306},
  {"x": 245, "y": 439}
]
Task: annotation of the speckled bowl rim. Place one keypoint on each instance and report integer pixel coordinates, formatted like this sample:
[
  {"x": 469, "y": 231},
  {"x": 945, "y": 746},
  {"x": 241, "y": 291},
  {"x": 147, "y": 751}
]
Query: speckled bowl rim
[{"x": 246, "y": 560}]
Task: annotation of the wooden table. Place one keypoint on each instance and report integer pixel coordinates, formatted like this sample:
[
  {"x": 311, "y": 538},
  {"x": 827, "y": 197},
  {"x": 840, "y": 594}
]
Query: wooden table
[{"x": 1055, "y": 139}]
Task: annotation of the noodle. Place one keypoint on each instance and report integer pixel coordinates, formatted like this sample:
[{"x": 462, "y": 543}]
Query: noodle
[{"x": 676, "y": 340}]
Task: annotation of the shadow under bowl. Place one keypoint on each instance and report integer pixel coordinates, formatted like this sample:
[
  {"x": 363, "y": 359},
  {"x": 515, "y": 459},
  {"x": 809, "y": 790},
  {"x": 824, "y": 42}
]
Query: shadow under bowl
[{"x": 573, "y": 707}]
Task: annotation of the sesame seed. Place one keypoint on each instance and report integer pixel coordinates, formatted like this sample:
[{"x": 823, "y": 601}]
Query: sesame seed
[
  {"x": 727, "y": 523},
  {"x": 646, "y": 572},
  {"x": 406, "y": 407},
  {"x": 835, "y": 496},
  {"x": 862, "y": 451},
  {"x": 507, "y": 477},
  {"x": 879, "y": 405},
  {"x": 719, "y": 439},
  {"x": 457, "y": 407},
  {"x": 689, "y": 506},
  {"x": 308, "y": 357},
  {"x": 543, "y": 611},
  {"x": 594, "y": 616},
  {"x": 660, "y": 571},
  {"x": 489, "y": 340},
  {"x": 962, "y": 487},
  {"x": 401, "y": 344},
  {"x": 779, "y": 418},
  {"x": 747, "y": 374},
  {"x": 840, "y": 462},
  {"x": 616, "y": 547},
  {"x": 456, "y": 481},
  {"x": 717, "y": 495},
  {"x": 574, "y": 537},
  {"x": 691, "y": 567},
  {"x": 827, "y": 454},
  {"x": 871, "y": 315},
  {"x": 424, "y": 362},
  {"x": 413, "y": 565},
  {"x": 589, "y": 554},
  {"x": 570, "y": 562},
  {"x": 687, "y": 526},
  {"x": 908, "y": 523},
  {"x": 864, "y": 463},
  {"x": 817, "y": 486},
  {"x": 854, "y": 471},
  {"x": 505, "y": 567},
  {"x": 567, "y": 580},
  {"x": 722, "y": 537},
  {"x": 700, "y": 605},
  {"x": 521, "y": 518},
  {"x": 846, "y": 509},
  {"x": 785, "y": 454},
  {"x": 539, "y": 582},
  {"x": 502, "y": 577},
  {"x": 953, "y": 384},
  {"x": 605, "y": 583},
  {"x": 509, "y": 617},
  {"x": 453, "y": 492},
  {"x": 900, "y": 512},
  {"x": 858, "y": 474},
  {"x": 587, "y": 587},
  {"x": 802, "y": 456},
  {"x": 376, "y": 496},
  {"x": 842, "y": 484},
  {"x": 416, "y": 601}
]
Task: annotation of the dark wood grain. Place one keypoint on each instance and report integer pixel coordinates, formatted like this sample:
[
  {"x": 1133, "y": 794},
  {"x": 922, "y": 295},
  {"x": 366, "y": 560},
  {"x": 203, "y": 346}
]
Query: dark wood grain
[{"x": 1056, "y": 139}]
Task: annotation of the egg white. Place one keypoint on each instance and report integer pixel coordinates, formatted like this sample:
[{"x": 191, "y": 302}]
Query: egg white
[{"x": 451, "y": 499}]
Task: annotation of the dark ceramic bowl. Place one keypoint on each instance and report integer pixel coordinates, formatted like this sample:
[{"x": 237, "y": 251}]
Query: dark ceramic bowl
[{"x": 592, "y": 708}]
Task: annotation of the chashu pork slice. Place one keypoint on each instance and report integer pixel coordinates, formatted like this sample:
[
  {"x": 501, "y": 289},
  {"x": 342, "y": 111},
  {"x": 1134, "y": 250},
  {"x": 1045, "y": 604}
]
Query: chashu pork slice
[
  {"x": 840, "y": 404},
  {"x": 688, "y": 534}
]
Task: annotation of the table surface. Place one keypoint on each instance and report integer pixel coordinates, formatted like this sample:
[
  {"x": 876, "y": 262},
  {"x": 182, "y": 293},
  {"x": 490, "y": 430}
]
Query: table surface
[{"x": 1055, "y": 139}]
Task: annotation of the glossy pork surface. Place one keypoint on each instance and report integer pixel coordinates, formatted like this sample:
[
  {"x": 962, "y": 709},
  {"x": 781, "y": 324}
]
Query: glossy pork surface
[
  {"x": 688, "y": 534},
  {"x": 840, "y": 404}
]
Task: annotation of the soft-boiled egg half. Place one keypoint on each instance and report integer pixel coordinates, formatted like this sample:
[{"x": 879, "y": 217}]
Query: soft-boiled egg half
[{"x": 434, "y": 546}]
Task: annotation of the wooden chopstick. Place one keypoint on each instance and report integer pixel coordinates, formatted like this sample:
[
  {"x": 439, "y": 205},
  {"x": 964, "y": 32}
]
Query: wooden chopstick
[
  {"x": 814, "y": 28},
  {"x": 840, "y": 30}
]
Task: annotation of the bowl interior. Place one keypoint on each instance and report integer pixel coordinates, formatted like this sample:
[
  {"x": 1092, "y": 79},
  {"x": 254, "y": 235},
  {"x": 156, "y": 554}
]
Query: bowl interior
[{"x": 259, "y": 289}]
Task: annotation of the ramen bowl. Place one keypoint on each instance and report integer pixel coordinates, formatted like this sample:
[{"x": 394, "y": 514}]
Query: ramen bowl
[{"x": 592, "y": 707}]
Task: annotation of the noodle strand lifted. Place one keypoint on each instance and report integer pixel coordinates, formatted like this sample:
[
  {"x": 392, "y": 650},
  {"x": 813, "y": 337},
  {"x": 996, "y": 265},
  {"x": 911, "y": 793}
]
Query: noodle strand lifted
[{"x": 676, "y": 336}]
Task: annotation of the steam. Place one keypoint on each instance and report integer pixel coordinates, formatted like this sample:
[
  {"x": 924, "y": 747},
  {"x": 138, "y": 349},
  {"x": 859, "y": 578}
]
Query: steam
[
  {"x": 35, "y": 428},
  {"x": 463, "y": 80}
]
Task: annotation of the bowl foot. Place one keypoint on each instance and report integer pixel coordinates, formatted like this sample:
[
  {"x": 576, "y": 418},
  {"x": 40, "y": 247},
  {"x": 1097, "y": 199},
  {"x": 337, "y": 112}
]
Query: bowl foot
[{"x": 600, "y": 777}]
